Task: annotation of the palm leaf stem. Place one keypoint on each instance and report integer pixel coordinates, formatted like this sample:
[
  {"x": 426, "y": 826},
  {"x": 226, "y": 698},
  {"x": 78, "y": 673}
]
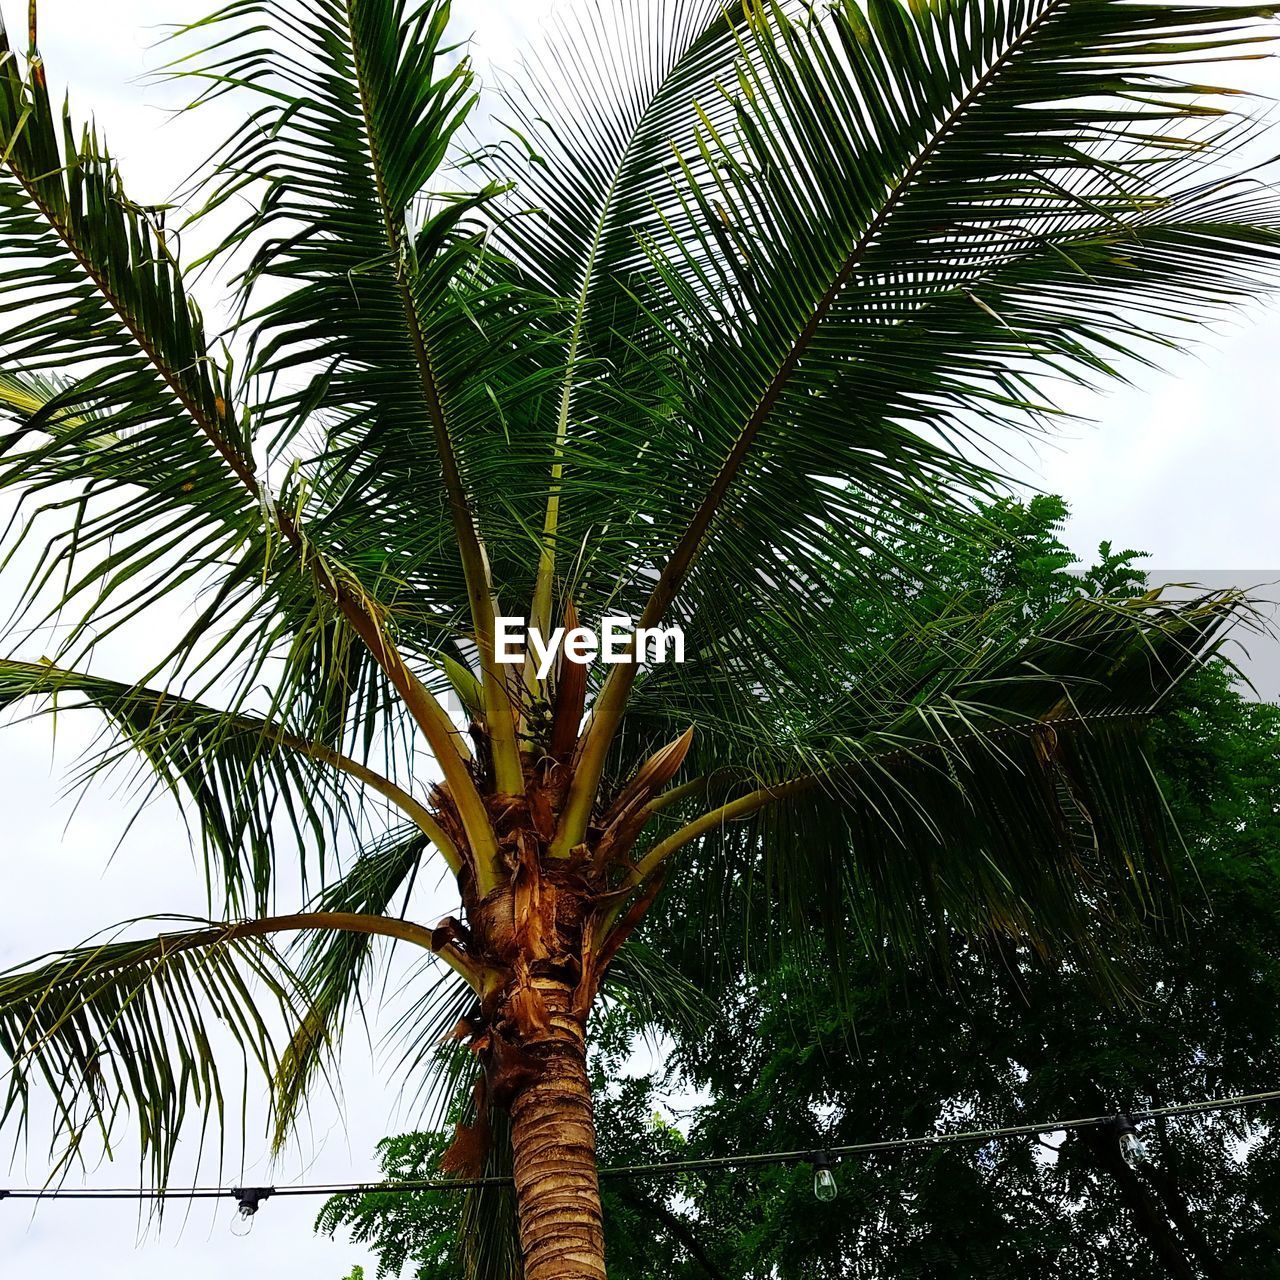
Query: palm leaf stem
[
  {"x": 762, "y": 797},
  {"x": 412, "y": 808},
  {"x": 509, "y": 773},
  {"x": 743, "y": 807},
  {"x": 275, "y": 734},
  {"x": 447, "y": 744},
  {"x": 540, "y": 613},
  {"x": 298, "y": 922},
  {"x": 673, "y": 795}
]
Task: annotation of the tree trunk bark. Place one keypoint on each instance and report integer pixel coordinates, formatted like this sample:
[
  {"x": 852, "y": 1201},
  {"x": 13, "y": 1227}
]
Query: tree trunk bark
[
  {"x": 553, "y": 1138},
  {"x": 1166, "y": 1178},
  {"x": 1147, "y": 1216},
  {"x": 1179, "y": 1211}
]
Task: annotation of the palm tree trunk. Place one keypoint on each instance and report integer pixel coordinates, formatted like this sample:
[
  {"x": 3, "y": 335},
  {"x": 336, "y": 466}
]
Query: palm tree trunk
[{"x": 553, "y": 1138}]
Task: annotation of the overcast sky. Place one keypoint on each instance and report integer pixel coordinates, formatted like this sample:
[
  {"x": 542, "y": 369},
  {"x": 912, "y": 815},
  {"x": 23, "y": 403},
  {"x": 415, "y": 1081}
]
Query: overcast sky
[{"x": 1183, "y": 466}]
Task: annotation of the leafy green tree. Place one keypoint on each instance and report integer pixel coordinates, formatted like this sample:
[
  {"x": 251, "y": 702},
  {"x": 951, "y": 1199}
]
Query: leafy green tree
[
  {"x": 977, "y": 1038},
  {"x": 987, "y": 1037},
  {"x": 1000, "y": 1037},
  {"x": 723, "y": 311}
]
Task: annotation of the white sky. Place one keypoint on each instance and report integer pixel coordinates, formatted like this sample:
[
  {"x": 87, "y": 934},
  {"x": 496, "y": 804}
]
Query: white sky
[{"x": 1183, "y": 466}]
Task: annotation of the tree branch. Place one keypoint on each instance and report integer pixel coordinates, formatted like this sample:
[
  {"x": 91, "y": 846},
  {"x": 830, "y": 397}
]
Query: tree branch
[{"x": 676, "y": 1225}]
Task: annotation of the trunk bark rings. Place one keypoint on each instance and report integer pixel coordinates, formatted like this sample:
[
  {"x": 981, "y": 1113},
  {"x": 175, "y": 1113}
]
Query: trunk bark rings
[{"x": 554, "y": 1144}]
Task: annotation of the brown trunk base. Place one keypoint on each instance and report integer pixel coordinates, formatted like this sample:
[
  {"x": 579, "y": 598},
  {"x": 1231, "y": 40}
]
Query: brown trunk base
[{"x": 553, "y": 1140}]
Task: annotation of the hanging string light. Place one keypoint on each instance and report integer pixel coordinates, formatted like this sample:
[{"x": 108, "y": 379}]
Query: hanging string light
[
  {"x": 1132, "y": 1148},
  {"x": 824, "y": 1181},
  {"x": 248, "y": 1201},
  {"x": 249, "y": 1198}
]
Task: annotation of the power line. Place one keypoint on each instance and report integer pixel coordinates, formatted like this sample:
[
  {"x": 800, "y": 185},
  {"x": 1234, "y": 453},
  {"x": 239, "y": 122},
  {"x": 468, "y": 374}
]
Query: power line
[{"x": 746, "y": 1160}]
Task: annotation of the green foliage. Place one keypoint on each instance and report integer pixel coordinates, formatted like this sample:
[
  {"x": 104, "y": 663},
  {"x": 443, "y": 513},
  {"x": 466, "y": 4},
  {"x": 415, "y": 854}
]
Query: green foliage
[
  {"x": 417, "y": 1227},
  {"x": 995, "y": 1037},
  {"x": 370, "y": 310},
  {"x": 785, "y": 267},
  {"x": 119, "y": 1019},
  {"x": 811, "y": 247},
  {"x": 1003, "y": 1039},
  {"x": 972, "y": 1037}
]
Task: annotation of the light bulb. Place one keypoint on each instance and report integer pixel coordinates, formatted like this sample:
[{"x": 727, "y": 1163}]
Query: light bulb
[
  {"x": 1134, "y": 1150},
  {"x": 248, "y": 1201},
  {"x": 824, "y": 1181}
]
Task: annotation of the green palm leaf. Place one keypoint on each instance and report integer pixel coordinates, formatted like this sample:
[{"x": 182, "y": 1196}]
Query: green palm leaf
[
  {"x": 822, "y": 216},
  {"x": 129, "y": 1025},
  {"x": 125, "y": 420},
  {"x": 142, "y": 1026},
  {"x": 989, "y": 770},
  {"x": 397, "y": 342},
  {"x": 91, "y": 294},
  {"x": 899, "y": 213},
  {"x": 246, "y": 779}
]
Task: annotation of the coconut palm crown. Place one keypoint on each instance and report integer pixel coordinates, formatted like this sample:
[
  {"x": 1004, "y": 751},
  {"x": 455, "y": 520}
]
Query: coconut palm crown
[{"x": 716, "y": 300}]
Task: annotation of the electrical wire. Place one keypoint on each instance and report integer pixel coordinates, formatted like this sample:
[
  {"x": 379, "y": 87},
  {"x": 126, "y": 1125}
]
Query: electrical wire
[{"x": 639, "y": 1170}]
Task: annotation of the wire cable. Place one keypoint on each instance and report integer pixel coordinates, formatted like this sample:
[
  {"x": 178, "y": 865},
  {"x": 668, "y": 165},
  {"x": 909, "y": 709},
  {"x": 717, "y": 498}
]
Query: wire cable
[{"x": 745, "y": 1160}]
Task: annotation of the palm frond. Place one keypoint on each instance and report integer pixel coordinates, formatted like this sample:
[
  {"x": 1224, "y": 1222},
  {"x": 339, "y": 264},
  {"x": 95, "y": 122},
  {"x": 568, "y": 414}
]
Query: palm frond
[
  {"x": 878, "y": 262},
  {"x": 128, "y": 1025},
  {"x": 837, "y": 231},
  {"x": 591, "y": 124},
  {"x": 986, "y": 772},
  {"x": 109, "y": 375},
  {"x": 132, "y": 463},
  {"x": 248, "y": 780},
  {"x": 116, "y": 389},
  {"x": 142, "y": 1027},
  {"x": 386, "y": 337}
]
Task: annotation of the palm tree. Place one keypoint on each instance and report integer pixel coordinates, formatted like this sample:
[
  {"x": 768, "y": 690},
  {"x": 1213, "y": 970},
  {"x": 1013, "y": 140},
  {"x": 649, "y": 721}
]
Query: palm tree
[{"x": 737, "y": 295}]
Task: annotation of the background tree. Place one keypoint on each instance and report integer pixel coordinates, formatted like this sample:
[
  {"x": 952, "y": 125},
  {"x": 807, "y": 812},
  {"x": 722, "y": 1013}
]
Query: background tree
[
  {"x": 1001, "y": 1038},
  {"x": 763, "y": 278},
  {"x": 966, "y": 1037}
]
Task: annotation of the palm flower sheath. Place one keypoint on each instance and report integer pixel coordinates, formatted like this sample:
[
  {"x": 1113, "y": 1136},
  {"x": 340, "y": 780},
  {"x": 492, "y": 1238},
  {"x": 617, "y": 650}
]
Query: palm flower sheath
[{"x": 715, "y": 304}]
